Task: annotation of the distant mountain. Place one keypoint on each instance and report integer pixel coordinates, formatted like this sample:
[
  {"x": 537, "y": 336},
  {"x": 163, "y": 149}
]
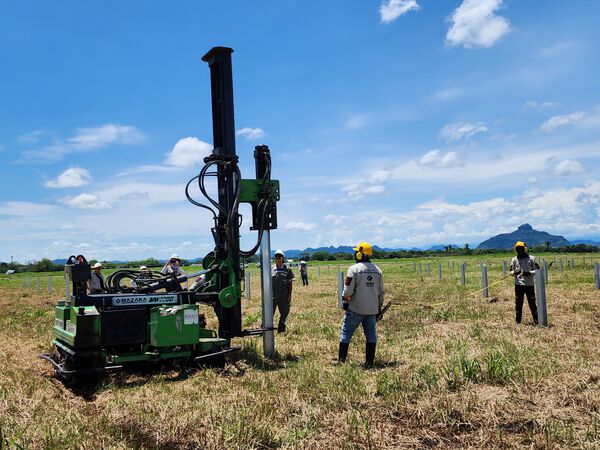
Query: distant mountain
[
  {"x": 331, "y": 249},
  {"x": 585, "y": 241},
  {"x": 524, "y": 233},
  {"x": 442, "y": 247}
]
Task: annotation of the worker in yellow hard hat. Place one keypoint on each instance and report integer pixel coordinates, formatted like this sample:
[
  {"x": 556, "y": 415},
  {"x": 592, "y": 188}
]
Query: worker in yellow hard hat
[
  {"x": 362, "y": 299},
  {"x": 522, "y": 267}
]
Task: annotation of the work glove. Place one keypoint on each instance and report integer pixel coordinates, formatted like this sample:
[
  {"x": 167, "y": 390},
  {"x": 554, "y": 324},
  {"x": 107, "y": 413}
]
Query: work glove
[
  {"x": 526, "y": 273},
  {"x": 346, "y": 305}
]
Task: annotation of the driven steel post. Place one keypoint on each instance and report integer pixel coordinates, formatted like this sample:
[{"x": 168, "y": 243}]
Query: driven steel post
[
  {"x": 540, "y": 291},
  {"x": 267, "y": 294}
]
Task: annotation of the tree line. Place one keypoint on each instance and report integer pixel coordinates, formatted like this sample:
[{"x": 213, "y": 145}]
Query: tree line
[{"x": 46, "y": 265}]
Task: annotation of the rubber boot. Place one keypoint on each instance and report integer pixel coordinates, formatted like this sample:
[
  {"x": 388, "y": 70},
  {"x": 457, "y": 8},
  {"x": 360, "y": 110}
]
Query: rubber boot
[
  {"x": 370, "y": 354},
  {"x": 343, "y": 352}
]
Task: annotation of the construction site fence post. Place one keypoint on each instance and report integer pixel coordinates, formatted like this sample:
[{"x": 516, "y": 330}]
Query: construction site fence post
[
  {"x": 439, "y": 271},
  {"x": 484, "y": 282},
  {"x": 463, "y": 275},
  {"x": 596, "y": 276},
  {"x": 503, "y": 268},
  {"x": 546, "y": 271},
  {"x": 319, "y": 271},
  {"x": 420, "y": 268},
  {"x": 428, "y": 269},
  {"x": 37, "y": 284},
  {"x": 340, "y": 288},
  {"x": 560, "y": 265},
  {"x": 540, "y": 293},
  {"x": 50, "y": 285},
  {"x": 24, "y": 281}
]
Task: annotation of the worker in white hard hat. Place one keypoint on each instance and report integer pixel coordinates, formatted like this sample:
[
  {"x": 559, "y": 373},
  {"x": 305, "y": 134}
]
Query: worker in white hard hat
[
  {"x": 362, "y": 300},
  {"x": 96, "y": 282},
  {"x": 144, "y": 274},
  {"x": 172, "y": 266},
  {"x": 281, "y": 281},
  {"x": 522, "y": 267},
  {"x": 304, "y": 273}
]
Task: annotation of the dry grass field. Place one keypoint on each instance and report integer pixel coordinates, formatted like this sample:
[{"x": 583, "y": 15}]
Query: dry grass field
[{"x": 452, "y": 371}]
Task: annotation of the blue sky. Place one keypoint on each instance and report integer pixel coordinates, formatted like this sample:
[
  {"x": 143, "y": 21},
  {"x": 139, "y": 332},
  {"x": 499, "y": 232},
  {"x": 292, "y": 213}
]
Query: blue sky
[{"x": 403, "y": 122}]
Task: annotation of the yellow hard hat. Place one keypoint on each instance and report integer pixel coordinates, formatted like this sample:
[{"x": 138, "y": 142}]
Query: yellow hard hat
[
  {"x": 520, "y": 244},
  {"x": 364, "y": 248}
]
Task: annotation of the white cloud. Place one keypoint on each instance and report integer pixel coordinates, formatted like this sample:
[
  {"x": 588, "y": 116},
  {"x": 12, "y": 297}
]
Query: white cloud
[
  {"x": 568, "y": 167},
  {"x": 356, "y": 121},
  {"x": 72, "y": 177},
  {"x": 356, "y": 191},
  {"x": 540, "y": 106},
  {"x": 31, "y": 138},
  {"x": 146, "y": 169},
  {"x": 300, "y": 226},
  {"x": 559, "y": 121},
  {"x": 85, "y": 139},
  {"x": 461, "y": 130},
  {"x": 557, "y": 49},
  {"x": 435, "y": 158},
  {"x": 25, "y": 209},
  {"x": 380, "y": 176},
  {"x": 475, "y": 24},
  {"x": 189, "y": 151},
  {"x": 447, "y": 94},
  {"x": 251, "y": 133},
  {"x": 333, "y": 219},
  {"x": 390, "y": 10},
  {"x": 85, "y": 201},
  {"x": 532, "y": 180},
  {"x": 92, "y": 138}
]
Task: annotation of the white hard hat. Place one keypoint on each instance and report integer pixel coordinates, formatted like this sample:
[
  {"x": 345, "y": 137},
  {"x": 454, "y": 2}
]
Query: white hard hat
[
  {"x": 174, "y": 256},
  {"x": 279, "y": 252},
  {"x": 143, "y": 268},
  {"x": 95, "y": 266}
]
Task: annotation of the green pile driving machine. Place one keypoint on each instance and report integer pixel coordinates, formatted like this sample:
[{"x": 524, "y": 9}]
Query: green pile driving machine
[{"x": 143, "y": 317}]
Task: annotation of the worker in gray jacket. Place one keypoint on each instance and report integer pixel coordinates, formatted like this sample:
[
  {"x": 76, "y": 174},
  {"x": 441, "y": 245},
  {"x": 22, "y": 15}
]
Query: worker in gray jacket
[
  {"x": 362, "y": 299},
  {"x": 522, "y": 268},
  {"x": 281, "y": 283}
]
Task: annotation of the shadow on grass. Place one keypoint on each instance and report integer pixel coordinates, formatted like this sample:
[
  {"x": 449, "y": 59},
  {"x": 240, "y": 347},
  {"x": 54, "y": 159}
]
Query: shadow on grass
[
  {"x": 132, "y": 376},
  {"x": 251, "y": 355}
]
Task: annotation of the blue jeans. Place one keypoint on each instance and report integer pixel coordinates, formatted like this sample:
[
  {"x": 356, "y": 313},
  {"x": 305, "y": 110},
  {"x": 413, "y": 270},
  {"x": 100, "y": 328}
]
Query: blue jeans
[{"x": 352, "y": 320}]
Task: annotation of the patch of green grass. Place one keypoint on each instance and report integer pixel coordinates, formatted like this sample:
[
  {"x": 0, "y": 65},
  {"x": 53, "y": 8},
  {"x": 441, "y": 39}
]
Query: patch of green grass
[
  {"x": 426, "y": 377},
  {"x": 251, "y": 319},
  {"x": 499, "y": 370},
  {"x": 460, "y": 369},
  {"x": 389, "y": 383},
  {"x": 442, "y": 316}
]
